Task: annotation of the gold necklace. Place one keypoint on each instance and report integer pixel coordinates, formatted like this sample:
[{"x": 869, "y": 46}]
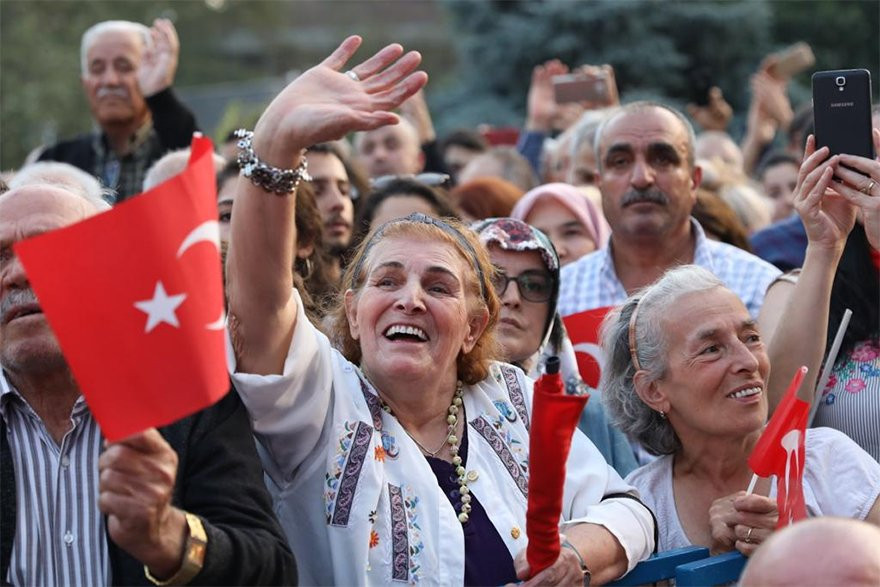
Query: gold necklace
[{"x": 454, "y": 445}]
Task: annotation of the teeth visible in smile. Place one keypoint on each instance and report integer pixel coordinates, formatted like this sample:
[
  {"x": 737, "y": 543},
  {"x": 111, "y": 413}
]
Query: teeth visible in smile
[
  {"x": 745, "y": 392},
  {"x": 410, "y": 330}
]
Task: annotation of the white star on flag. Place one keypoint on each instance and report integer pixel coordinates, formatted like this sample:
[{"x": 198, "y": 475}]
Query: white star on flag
[{"x": 160, "y": 308}]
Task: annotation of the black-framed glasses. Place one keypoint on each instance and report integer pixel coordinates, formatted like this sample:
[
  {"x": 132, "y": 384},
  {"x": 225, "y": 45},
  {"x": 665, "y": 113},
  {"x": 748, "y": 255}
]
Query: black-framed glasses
[
  {"x": 434, "y": 180},
  {"x": 534, "y": 286}
]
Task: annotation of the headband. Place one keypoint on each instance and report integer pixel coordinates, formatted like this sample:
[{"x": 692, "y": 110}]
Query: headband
[{"x": 419, "y": 218}]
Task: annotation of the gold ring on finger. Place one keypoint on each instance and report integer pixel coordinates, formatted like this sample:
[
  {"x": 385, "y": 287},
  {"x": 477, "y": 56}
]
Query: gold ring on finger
[
  {"x": 749, "y": 536},
  {"x": 867, "y": 189}
]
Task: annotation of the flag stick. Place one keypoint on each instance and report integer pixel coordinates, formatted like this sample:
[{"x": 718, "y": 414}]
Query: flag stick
[
  {"x": 829, "y": 365},
  {"x": 752, "y": 484}
]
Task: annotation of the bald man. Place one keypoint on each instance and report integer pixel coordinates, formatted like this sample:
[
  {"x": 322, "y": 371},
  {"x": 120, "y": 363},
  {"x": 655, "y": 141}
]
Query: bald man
[
  {"x": 390, "y": 150},
  {"x": 818, "y": 551}
]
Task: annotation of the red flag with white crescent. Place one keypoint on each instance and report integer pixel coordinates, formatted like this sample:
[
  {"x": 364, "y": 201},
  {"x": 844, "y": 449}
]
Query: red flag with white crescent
[
  {"x": 135, "y": 298},
  {"x": 583, "y": 330}
]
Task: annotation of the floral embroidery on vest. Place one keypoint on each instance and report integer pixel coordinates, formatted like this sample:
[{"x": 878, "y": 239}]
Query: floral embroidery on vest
[
  {"x": 341, "y": 481},
  {"x": 518, "y": 471}
]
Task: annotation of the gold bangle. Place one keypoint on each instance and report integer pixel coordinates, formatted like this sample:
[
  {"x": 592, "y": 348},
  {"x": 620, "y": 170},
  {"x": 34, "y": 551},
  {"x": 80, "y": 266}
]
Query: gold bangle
[{"x": 193, "y": 554}]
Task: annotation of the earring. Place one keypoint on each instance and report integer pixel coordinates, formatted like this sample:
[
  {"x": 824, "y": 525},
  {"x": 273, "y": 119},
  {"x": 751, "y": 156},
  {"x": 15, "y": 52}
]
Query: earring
[{"x": 662, "y": 415}]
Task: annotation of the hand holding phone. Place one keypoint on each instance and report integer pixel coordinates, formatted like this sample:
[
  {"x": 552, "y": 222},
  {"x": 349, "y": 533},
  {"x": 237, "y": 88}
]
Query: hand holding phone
[{"x": 791, "y": 61}]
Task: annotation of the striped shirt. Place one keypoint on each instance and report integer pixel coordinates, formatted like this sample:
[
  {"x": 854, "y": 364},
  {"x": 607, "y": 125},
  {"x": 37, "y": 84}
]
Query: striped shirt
[
  {"x": 60, "y": 536},
  {"x": 591, "y": 281}
]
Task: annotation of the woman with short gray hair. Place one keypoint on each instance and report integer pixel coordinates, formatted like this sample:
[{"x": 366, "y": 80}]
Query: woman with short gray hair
[{"x": 633, "y": 416}]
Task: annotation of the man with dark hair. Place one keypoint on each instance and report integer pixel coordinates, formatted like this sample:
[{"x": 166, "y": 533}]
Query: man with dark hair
[
  {"x": 458, "y": 148},
  {"x": 337, "y": 184},
  {"x": 184, "y": 504},
  {"x": 127, "y": 73}
]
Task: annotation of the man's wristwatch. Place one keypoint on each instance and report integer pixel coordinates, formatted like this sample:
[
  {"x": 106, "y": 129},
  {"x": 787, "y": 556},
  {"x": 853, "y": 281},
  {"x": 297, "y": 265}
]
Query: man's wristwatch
[
  {"x": 584, "y": 568},
  {"x": 193, "y": 554}
]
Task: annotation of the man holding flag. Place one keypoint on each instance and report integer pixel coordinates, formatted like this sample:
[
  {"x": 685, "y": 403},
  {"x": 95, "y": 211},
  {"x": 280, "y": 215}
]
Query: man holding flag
[{"x": 92, "y": 492}]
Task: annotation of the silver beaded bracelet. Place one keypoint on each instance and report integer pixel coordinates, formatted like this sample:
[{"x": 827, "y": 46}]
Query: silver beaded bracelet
[{"x": 272, "y": 179}]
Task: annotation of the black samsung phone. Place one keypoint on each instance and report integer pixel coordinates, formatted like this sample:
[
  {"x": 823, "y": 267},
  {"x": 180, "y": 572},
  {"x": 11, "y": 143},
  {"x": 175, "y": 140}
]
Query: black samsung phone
[{"x": 842, "y": 111}]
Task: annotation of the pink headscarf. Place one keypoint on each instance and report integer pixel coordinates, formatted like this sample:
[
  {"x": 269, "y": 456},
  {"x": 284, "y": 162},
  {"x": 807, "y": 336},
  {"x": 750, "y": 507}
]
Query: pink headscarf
[{"x": 573, "y": 199}]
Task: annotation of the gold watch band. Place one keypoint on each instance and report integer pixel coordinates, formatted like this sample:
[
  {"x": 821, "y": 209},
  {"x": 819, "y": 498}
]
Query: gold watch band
[{"x": 193, "y": 554}]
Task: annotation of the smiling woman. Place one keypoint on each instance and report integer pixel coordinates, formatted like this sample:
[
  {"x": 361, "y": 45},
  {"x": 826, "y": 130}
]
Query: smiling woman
[
  {"x": 687, "y": 376},
  {"x": 405, "y": 456}
]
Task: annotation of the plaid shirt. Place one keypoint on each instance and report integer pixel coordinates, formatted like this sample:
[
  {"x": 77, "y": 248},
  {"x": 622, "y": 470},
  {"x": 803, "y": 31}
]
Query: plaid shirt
[
  {"x": 126, "y": 175},
  {"x": 591, "y": 282}
]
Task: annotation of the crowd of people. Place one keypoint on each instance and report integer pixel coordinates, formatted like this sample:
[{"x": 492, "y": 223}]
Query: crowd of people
[{"x": 392, "y": 296}]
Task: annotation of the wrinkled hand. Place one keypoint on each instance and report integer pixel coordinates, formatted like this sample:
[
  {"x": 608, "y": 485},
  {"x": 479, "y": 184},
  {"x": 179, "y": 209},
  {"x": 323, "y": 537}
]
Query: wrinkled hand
[
  {"x": 827, "y": 217},
  {"x": 854, "y": 183},
  {"x": 715, "y": 115},
  {"x": 324, "y": 104},
  {"x": 416, "y": 111},
  {"x": 732, "y": 517},
  {"x": 565, "y": 571},
  {"x": 542, "y": 107},
  {"x": 159, "y": 65},
  {"x": 135, "y": 487}
]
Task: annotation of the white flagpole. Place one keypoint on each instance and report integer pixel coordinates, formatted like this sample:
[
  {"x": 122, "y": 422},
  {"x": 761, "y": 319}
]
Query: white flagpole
[{"x": 829, "y": 365}]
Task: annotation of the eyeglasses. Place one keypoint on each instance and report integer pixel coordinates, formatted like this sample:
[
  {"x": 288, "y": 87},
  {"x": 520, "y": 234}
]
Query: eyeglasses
[
  {"x": 434, "y": 180},
  {"x": 534, "y": 286}
]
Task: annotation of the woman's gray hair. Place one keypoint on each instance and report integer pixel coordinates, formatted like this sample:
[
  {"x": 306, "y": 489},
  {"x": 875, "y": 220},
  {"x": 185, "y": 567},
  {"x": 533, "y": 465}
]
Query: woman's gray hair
[
  {"x": 124, "y": 26},
  {"x": 66, "y": 177},
  {"x": 634, "y": 417}
]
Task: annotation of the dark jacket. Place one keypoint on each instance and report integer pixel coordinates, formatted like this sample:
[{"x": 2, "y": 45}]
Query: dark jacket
[
  {"x": 172, "y": 120},
  {"x": 219, "y": 479}
]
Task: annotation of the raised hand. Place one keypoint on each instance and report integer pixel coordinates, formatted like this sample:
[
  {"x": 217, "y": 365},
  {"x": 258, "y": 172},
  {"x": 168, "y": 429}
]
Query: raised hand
[
  {"x": 715, "y": 115},
  {"x": 325, "y": 104},
  {"x": 862, "y": 188},
  {"x": 827, "y": 217},
  {"x": 135, "y": 487},
  {"x": 159, "y": 64},
  {"x": 542, "y": 107}
]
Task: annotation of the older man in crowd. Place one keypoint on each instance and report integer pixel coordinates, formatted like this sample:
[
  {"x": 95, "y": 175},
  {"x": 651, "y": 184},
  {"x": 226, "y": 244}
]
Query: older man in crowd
[
  {"x": 127, "y": 73},
  {"x": 182, "y": 504},
  {"x": 648, "y": 181}
]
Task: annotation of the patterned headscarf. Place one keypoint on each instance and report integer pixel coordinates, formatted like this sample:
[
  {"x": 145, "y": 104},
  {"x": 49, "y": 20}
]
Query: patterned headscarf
[{"x": 511, "y": 234}]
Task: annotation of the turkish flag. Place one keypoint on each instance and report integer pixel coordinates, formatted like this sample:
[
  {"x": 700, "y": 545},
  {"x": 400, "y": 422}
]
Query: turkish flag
[
  {"x": 583, "y": 330},
  {"x": 554, "y": 417},
  {"x": 135, "y": 298},
  {"x": 780, "y": 451}
]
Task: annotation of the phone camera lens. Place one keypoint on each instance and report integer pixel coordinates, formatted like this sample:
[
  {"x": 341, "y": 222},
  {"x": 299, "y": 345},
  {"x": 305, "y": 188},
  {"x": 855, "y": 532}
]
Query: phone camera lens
[{"x": 840, "y": 80}]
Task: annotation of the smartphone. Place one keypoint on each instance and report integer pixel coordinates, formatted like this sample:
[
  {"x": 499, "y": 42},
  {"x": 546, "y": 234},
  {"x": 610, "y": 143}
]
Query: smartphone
[
  {"x": 578, "y": 87},
  {"x": 793, "y": 60},
  {"x": 842, "y": 111}
]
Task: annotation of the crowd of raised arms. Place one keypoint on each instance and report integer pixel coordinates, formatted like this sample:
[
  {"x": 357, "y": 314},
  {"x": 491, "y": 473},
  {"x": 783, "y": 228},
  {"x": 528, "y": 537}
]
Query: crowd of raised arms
[{"x": 392, "y": 295}]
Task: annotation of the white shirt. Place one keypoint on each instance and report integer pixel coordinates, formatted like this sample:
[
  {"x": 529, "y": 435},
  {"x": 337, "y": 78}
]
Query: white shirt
[
  {"x": 361, "y": 505},
  {"x": 840, "y": 479}
]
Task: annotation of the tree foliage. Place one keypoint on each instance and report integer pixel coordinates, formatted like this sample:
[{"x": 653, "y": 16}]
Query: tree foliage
[{"x": 670, "y": 50}]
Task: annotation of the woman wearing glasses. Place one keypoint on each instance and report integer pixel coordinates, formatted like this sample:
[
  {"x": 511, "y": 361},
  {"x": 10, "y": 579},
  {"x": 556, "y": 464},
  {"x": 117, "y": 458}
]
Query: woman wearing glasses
[
  {"x": 393, "y": 458},
  {"x": 529, "y": 329}
]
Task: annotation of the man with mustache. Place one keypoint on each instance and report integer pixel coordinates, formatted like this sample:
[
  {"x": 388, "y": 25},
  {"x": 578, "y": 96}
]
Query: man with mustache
[
  {"x": 648, "y": 179},
  {"x": 184, "y": 504},
  {"x": 127, "y": 73}
]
